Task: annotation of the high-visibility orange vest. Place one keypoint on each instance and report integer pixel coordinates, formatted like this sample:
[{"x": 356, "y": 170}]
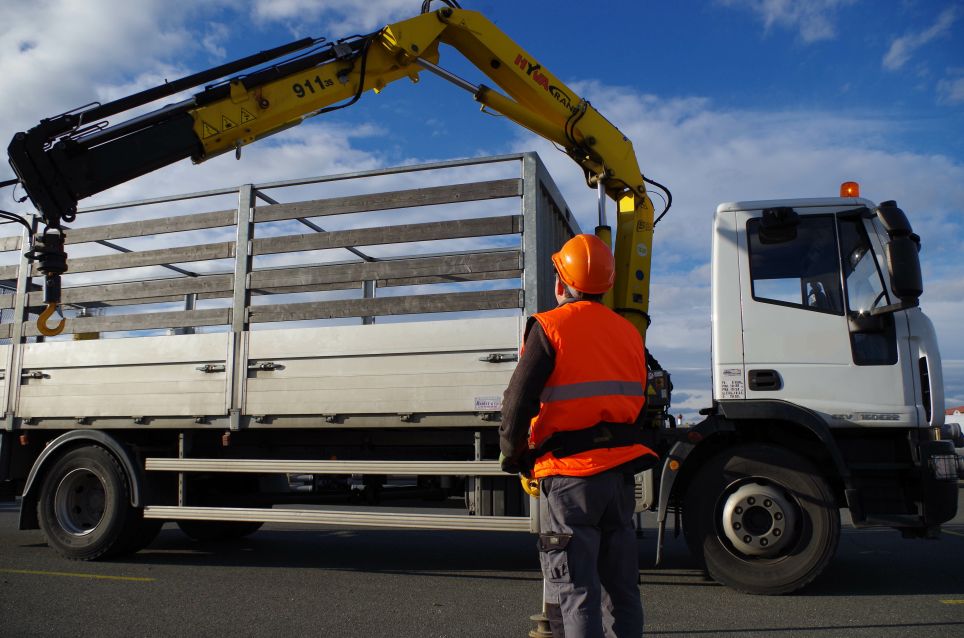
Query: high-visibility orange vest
[{"x": 599, "y": 375}]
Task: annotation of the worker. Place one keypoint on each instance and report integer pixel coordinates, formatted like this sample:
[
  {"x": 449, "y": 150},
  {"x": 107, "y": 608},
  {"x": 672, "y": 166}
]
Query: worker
[{"x": 568, "y": 420}]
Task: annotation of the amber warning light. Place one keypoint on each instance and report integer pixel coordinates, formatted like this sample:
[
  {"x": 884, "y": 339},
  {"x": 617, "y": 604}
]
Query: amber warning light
[{"x": 850, "y": 189}]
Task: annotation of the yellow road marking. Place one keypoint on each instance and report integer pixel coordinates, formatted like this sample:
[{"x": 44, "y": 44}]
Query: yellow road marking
[
  {"x": 31, "y": 572},
  {"x": 953, "y": 602},
  {"x": 947, "y": 531}
]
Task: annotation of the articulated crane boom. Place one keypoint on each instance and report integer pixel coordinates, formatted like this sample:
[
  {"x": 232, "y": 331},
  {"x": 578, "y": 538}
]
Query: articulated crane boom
[{"x": 75, "y": 155}]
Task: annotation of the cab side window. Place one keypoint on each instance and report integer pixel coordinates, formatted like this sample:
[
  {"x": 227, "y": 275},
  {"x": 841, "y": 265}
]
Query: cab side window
[{"x": 801, "y": 270}]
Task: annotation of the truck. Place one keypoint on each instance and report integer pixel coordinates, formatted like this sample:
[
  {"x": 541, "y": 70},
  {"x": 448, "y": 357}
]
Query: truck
[{"x": 271, "y": 354}]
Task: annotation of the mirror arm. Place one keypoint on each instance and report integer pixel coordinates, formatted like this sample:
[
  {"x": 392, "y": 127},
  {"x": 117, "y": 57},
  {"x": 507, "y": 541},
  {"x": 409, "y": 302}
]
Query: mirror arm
[{"x": 886, "y": 310}]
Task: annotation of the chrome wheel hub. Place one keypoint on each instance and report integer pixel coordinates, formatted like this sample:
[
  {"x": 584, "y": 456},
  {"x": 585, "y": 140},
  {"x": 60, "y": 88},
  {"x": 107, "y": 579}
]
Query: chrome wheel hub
[
  {"x": 79, "y": 502},
  {"x": 759, "y": 520}
]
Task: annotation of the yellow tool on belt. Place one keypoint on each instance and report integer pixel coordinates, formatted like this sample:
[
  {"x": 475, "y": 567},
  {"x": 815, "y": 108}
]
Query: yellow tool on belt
[{"x": 530, "y": 485}]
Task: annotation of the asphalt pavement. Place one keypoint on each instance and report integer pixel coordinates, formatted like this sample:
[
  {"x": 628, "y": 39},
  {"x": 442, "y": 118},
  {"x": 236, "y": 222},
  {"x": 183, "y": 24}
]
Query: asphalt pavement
[{"x": 289, "y": 581}]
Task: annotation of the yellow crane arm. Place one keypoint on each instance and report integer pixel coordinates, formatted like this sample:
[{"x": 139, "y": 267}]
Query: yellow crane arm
[{"x": 67, "y": 158}]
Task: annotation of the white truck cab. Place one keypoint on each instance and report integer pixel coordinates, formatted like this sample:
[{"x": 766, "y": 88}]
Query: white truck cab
[
  {"x": 809, "y": 315},
  {"x": 827, "y": 393}
]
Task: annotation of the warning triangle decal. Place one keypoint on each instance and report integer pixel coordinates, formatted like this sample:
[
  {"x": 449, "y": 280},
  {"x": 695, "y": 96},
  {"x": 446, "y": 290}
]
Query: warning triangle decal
[
  {"x": 226, "y": 123},
  {"x": 246, "y": 117},
  {"x": 208, "y": 130}
]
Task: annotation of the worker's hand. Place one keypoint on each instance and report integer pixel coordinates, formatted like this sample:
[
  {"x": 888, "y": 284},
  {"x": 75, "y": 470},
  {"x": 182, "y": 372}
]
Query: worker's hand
[{"x": 508, "y": 465}]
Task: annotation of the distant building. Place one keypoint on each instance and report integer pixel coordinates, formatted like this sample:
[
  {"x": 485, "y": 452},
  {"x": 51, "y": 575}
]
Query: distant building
[{"x": 954, "y": 415}]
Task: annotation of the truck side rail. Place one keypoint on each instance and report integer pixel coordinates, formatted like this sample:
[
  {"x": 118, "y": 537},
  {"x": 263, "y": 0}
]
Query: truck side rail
[{"x": 330, "y": 251}]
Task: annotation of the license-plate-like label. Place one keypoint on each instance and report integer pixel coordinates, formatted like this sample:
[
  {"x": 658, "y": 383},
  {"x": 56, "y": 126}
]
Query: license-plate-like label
[{"x": 488, "y": 404}]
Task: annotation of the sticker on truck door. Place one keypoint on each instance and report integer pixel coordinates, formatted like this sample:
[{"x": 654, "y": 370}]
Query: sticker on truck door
[{"x": 731, "y": 384}]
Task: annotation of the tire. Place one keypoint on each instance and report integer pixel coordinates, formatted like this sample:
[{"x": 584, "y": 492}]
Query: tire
[
  {"x": 141, "y": 534},
  {"x": 761, "y": 520},
  {"x": 206, "y": 531},
  {"x": 222, "y": 491},
  {"x": 84, "y": 507}
]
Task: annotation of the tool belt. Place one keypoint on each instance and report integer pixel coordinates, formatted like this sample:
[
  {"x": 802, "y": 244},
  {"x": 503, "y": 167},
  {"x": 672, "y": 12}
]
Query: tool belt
[{"x": 601, "y": 435}]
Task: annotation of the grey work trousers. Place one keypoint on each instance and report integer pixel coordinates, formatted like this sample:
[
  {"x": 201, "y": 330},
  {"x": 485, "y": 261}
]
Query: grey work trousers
[{"x": 589, "y": 555}]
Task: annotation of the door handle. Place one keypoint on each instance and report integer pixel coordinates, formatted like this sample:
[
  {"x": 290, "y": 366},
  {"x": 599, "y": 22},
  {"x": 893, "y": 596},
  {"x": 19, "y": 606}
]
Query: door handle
[{"x": 765, "y": 380}]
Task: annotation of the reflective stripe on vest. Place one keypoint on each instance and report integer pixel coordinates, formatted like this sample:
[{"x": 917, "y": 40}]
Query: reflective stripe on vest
[
  {"x": 599, "y": 375},
  {"x": 588, "y": 389}
]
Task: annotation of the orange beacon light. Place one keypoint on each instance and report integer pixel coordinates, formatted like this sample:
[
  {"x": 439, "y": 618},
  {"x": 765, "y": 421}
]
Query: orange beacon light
[{"x": 850, "y": 189}]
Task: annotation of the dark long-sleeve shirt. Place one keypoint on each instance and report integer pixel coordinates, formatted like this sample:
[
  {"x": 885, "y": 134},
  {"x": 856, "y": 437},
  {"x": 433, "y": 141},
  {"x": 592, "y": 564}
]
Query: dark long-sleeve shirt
[{"x": 520, "y": 402}]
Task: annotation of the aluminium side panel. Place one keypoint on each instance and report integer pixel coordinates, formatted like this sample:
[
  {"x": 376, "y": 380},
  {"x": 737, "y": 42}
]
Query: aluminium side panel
[
  {"x": 547, "y": 225},
  {"x": 5, "y": 352},
  {"x": 155, "y": 376},
  {"x": 402, "y": 368}
]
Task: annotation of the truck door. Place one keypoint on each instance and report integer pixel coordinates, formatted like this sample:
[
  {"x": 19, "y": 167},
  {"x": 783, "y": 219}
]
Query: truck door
[{"x": 809, "y": 335}]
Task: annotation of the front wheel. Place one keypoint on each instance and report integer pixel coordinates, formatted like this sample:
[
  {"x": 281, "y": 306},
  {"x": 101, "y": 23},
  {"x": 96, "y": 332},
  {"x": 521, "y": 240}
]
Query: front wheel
[
  {"x": 762, "y": 519},
  {"x": 84, "y": 507}
]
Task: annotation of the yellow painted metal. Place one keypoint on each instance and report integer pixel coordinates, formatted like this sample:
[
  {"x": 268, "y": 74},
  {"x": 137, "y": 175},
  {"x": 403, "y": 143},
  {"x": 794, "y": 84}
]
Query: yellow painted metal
[
  {"x": 634, "y": 253},
  {"x": 249, "y": 115},
  {"x": 224, "y": 125},
  {"x": 43, "y": 328},
  {"x": 544, "y": 101},
  {"x": 530, "y": 486},
  {"x": 536, "y": 99}
]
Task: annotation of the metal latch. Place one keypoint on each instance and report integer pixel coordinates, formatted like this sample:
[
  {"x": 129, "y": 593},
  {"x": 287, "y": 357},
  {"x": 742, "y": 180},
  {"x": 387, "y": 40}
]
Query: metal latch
[
  {"x": 499, "y": 357},
  {"x": 265, "y": 365},
  {"x": 208, "y": 368},
  {"x": 34, "y": 374}
]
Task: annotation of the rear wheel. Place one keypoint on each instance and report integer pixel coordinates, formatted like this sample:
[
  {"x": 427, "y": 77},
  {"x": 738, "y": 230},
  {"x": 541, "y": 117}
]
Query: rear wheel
[
  {"x": 218, "y": 530},
  {"x": 85, "y": 505},
  {"x": 223, "y": 491},
  {"x": 142, "y": 534},
  {"x": 761, "y": 519}
]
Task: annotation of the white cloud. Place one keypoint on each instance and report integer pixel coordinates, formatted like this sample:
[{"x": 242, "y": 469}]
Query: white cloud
[
  {"x": 813, "y": 20},
  {"x": 904, "y": 47},
  {"x": 341, "y": 18},
  {"x": 951, "y": 90},
  {"x": 59, "y": 54},
  {"x": 214, "y": 38}
]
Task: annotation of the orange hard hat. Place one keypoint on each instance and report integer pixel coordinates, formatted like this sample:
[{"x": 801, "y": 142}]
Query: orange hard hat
[{"x": 586, "y": 264}]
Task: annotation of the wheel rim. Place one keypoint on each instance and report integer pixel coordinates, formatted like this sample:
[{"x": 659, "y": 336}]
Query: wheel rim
[
  {"x": 759, "y": 519},
  {"x": 79, "y": 502}
]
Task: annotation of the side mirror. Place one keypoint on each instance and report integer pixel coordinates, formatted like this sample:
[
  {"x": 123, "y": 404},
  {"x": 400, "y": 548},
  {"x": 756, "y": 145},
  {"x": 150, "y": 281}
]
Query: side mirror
[
  {"x": 903, "y": 264},
  {"x": 893, "y": 219}
]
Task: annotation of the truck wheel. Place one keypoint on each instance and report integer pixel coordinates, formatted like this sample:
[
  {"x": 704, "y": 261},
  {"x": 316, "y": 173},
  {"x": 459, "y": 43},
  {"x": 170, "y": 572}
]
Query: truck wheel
[
  {"x": 84, "y": 507},
  {"x": 219, "y": 530},
  {"x": 762, "y": 519},
  {"x": 142, "y": 533}
]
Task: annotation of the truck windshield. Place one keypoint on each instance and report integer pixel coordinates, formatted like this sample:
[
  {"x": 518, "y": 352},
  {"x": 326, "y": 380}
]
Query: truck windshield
[{"x": 865, "y": 289}]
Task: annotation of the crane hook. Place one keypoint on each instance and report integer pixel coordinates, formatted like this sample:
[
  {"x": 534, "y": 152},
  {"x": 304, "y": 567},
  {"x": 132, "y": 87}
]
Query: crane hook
[{"x": 42, "y": 326}]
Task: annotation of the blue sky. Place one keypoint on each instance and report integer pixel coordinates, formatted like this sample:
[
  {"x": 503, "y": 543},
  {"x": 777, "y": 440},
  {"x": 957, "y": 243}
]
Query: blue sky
[{"x": 724, "y": 100}]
